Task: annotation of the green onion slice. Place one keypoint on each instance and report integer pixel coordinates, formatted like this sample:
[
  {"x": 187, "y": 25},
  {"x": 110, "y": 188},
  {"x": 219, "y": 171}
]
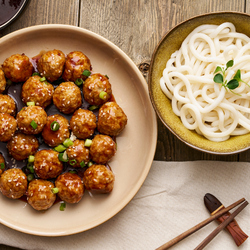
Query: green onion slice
[
  {"x": 30, "y": 168},
  {"x": 55, "y": 190},
  {"x": 103, "y": 95},
  {"x": 72, "y": 172},
  {"x": 31, "y": 158},
  {"x": 62, "y": 206},
  {"x": 67, "y": 143},
  {"x": 88, "y": 143},
  {"x": 60, "y": 148},
  {"x": 33, "y": 124},
  {"x": 72, "y": 162},
  {"x": 35, "y": 74},
  {"x": 93, "y": 107},
  {"x": 30, "y": 177},
  {"x": 90, "y": 163},
  {"x": 54, "y": 126},
  {"x": 82, "y": 164},
  {"x": 86, "y": 72},
  {"x": 2, "y": 165},
  {"x": 42, "y": 79},
  {"x": 30, "y": 103},
  {"x": 107, "y": 76},
  {"x": 79, "y": 81},
  {"x": 63, "y": 157}
]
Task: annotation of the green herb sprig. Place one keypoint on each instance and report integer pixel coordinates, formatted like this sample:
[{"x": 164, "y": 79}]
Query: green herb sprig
[{"x": 220, "y": 74}]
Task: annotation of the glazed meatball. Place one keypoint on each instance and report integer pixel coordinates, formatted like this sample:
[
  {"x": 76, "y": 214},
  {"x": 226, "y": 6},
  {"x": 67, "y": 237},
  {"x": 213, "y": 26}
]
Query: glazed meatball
[
  {"x": 78, "y": 153},
  {"x": 47, "y": 164},
  {"x": 31, "y": 119},
  {"x": 76, "y": 63},
  {"x": 83, "y": 123},
  {"x": 20, "y": 146},
  {"x": 67, "y": 97},
  {"x": 51, "y": 64},
  {"x": 37, "y": 91},
  {"x": 97, "y": 89},
  {"x": 111, "y": 119},
  {"x": 2, "y": 164},
  {"x": 13, "y": 183},
  {"x": 8, "y": 127},
  {"x": 7, "y": 105},
  {"x": 102, "y": 149},
  {"x": 98, "y": 178},
  {"x": 2, "y": 81},
  {"x": 40, "y": 195},
  {"x": 70, "y": 187},
  {"x": 54, "y": 138},
  {"x": 17, "y": 68}
]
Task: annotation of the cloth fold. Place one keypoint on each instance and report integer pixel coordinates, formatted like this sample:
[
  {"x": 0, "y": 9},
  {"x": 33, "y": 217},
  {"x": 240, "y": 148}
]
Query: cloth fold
[{"x": 169, "y": 202}]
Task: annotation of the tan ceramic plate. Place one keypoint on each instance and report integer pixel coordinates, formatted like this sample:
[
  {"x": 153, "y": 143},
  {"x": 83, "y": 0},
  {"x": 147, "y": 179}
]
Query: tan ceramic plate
[
  {"x": 136, "y": 144},
  {"x": 172, "y": 42}
]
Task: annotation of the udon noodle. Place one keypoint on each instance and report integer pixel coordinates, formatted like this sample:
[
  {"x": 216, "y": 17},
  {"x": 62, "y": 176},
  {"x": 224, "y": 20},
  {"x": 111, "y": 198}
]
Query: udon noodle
[{"x": 203, "y": 105}]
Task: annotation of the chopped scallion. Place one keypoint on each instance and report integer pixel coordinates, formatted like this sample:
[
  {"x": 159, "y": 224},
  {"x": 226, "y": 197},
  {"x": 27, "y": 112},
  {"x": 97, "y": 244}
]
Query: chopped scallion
[
  {"x": 63, "y": 157},
  {"x": 55, "y": 190},
  {"x": 93, "y": 107},
  {"x": 31, "y": 158},
  {"x": 88, "y": 143},
  {"x": 82, "y": 164},
  {"x": 72, "y": 162},
  {"x": 103, "y": 95},
  {"x": 60, "y": 148},
  {"x": 30, "y": 168},
  {"x": 30, "y": 103},
  {"x": 107, "y": 76},
  {"x": 72, "y": 172},
  {"x": 54, "y": 126},
  {"x": 42, "y": 79},
  {"x": 33, "y": 124},
  {"x": 67, "y": 143},
  {"x": 90, "y": 163},
  {"x": 86, "y": 72},
  {"x": 2, "y": 165},
  {"x": 79, "y": 81},
  {"x": 35, "y": 74},
  {"x": 62, "y": 206},
  {"x": 30, "y": 177}
]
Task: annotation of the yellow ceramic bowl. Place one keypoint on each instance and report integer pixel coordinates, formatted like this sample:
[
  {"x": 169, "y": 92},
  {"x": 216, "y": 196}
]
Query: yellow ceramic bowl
[{"x": 162, "y": 105}]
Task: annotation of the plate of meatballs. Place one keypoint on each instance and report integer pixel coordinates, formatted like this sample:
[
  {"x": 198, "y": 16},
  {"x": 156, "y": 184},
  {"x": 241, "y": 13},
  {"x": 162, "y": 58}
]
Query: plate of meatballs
[{"x": 77, "y": 130}]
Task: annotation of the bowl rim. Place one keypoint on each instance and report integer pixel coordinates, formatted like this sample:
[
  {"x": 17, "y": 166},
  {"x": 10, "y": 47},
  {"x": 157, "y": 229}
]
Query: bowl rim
[{"x": 150, "y": 82}]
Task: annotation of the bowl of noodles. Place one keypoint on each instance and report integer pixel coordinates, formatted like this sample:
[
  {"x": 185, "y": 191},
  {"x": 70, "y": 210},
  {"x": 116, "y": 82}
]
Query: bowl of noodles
[{"x": 199, "y": 82}]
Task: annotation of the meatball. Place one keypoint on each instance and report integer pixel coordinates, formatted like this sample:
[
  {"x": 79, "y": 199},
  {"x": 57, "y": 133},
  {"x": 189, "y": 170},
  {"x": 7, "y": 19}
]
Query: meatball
[
  {"x": 54, "y": 138},
  {"x": 98, "y": 178},
  {"x": 39, "y": 92},
  {"x": 67, "y": 97},
  {"x": 2, "y": 81},
  {"x": 111, "y": 119},
  {"x": 17, "y": 68},
  {"x": 13, "y": 183},
  {"x": 97, "y": 89},
  {"x": 76, "y": 63},
  {"x": 70, "y": 187},
  {"x": 20, "y": 146},
  {"x": 51, "y": 64},
  {"x": 2, "y": 164},
  {"x": 31, "y": 119},
  {"x": 83, "y": 123},
  {"x": 8, "y": 127},
  {"x": 7, "y": 105},
  {"x": 102, "y": 149},
  {"x": 40, "y": 195},
  {"x": 47, "y": 164},
  {"x": 78, "y": 153}
]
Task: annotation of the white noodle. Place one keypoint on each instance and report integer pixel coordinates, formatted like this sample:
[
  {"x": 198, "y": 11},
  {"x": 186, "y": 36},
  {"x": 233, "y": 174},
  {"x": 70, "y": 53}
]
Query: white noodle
[{"x": 203, "y": 105}]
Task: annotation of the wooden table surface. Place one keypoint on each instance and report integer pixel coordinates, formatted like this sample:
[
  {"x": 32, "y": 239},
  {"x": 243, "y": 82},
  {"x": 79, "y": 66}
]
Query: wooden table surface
[{"x": 135, "y": 26}]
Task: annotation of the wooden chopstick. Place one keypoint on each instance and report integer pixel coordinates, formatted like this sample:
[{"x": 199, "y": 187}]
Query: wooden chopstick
[
  {"x": 199, "y": 226},
  {"x": 221, "y": 226}
]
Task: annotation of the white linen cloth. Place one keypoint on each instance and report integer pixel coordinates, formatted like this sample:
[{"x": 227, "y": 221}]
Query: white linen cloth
[{"x": 169, "y": 202}]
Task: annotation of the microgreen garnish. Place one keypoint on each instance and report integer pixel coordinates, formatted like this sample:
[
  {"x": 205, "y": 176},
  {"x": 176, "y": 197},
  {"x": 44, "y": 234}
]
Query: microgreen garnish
[{"x": 220, "y": 73}]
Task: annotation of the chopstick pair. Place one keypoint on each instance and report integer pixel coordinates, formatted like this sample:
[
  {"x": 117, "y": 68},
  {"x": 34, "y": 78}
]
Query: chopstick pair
[{"x": 204, "y": 223}]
